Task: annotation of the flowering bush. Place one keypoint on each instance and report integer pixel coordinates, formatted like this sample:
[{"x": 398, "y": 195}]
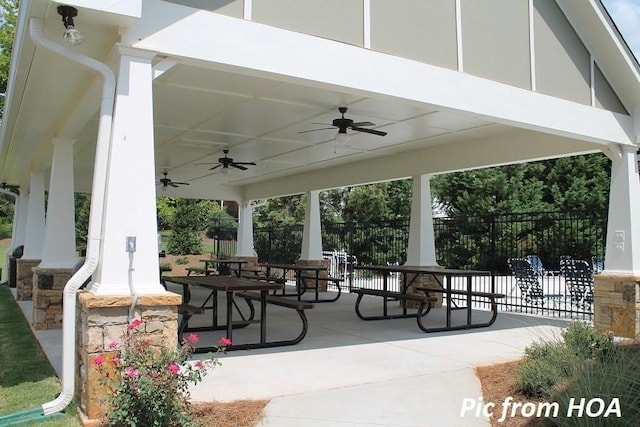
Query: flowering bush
[{"x": 148, "y": 385}]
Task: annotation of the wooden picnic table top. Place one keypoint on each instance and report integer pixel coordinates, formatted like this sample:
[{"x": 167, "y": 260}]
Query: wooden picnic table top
[
  {"x": 423, "y": 269},
  {"x": 225, "y": 283}
]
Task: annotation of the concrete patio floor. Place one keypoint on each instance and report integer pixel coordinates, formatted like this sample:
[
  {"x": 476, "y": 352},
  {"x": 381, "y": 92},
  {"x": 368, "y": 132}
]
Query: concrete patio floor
[{"x": 349, "y": 372}]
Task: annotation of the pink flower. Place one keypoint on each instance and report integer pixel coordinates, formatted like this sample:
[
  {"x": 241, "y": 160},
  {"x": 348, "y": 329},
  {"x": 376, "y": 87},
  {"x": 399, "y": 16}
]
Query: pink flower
[
  {"x": 193, "y": 338},
  {"x": 224, "y": 341},
  {"x": 173, "y": 368},
  {"x": 134, "y": 324},
  {"x": 199, "y": 364},
  {"x": 112, "y": 345},
  {"x": 131, "y": 372},
  {"x": 98, "y": 360},
  {"x": 116, "y": 360}
]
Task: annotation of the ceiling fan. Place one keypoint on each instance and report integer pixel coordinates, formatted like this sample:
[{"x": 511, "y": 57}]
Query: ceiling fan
[
  {"x": 226, "y": 162},
  {"x": 342, "y": 124},
  {"x": 167, "y": 182}
]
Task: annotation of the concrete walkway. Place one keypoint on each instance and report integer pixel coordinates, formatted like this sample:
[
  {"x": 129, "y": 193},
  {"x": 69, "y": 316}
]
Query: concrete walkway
[{"x": 348, "y": 372}]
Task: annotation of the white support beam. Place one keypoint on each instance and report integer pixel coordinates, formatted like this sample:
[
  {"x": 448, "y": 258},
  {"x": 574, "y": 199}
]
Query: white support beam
[
  {"x": 245, "y": 230},
  {"x": 130, "y": 205},
  {"x": 312, "y": 235},
  {"x": 34, "y": 234},
  {"x": 421, "y": 249},
  {"x": 623, "y": 230},
  {"x": 59, "y": 247}
]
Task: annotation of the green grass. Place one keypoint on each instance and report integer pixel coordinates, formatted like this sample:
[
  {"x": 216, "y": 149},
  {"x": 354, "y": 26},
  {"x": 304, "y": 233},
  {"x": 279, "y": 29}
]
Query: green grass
[{"x": 27, "y": 379}]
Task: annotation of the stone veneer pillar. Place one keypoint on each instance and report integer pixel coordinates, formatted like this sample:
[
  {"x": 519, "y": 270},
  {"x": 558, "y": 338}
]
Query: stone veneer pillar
[
  {"x": 425, "y": 281},
  {"x": 48, "y": 287},
  {"x": 310, "y": 283},
  {"x": 252, "y": 261},
  {"x": 617, "y": 304},
  {"x": 24, "y": 278},
  {"x": 103, "y": 319}
]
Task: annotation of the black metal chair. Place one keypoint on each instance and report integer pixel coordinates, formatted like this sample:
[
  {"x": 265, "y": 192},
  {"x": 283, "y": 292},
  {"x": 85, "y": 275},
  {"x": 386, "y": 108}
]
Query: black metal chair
[
  {"x": 578, "y": 277},
  {"x": 528, "y": 281}
]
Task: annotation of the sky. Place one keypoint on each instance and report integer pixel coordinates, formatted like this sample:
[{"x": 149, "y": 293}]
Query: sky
[{"x": 626, "y": 15}]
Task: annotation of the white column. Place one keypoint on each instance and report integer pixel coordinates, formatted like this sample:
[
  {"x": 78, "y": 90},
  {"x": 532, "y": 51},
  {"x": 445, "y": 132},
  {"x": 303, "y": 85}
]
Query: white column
[
  {"x": 622, "y": 254},
  {"x": 312, "y": 235},
  {"x": 421, "y": 249},
  {"x": 34, "y": 232},
  {"x": 245, "y": 230},
  {"x": 59, "y": 247},
  {"x": 22, "y": 205},
  {"x": 130, "y": 195}
]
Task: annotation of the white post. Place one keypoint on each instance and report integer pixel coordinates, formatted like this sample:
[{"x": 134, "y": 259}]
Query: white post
[
  {"x": 129, "y": 250},
  {"x": 59, "y": 248},
  {"x": 22, "y": 204},
  {"x": 245, "y": 230},
  {"x": 622, "y": 255},
  {"x": 421, "y": 249},
  {"x": 34, "y": 231},
  {"x": 312, "y": 235}
]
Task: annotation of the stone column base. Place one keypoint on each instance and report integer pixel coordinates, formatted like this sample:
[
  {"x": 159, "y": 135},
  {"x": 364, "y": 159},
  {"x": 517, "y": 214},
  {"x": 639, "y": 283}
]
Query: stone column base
[
  {"x": 252, "y": 262},
  {"x": 310, "y": 283},
  {"x": 425, "y": 281},
  {"x": 616, "y": 304},
  {"x": 103, "y": 319},
  {"x": 48, "y": 287},
  {"x": 24, "y": 278}
]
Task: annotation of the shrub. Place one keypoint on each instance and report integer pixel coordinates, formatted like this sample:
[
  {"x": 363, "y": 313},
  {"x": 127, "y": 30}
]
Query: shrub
[
  {"x": 545, "y": 366},
  {"x": 183, "y": 260},
  {"x": 587, "y": 341},
  {"x": 165, "y": 266},
  {"x": 614, "y": 375},
  {"x": 148, "y": 385}
]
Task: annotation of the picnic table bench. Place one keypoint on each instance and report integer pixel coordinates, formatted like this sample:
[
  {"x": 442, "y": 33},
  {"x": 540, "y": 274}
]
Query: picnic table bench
[
  {"x": 298, "y": 306},
  {"x": 470, "y": 295},
  {"x": 423, "y": 300}
]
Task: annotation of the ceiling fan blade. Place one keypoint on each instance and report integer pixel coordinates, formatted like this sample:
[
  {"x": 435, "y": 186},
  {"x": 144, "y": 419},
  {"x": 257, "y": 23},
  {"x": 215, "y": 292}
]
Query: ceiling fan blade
[
  {"x": 238, "y": 166},
  {"x": 313, "y": 130},
  {"x": 357, "y": 125},
  {"x": 173, "y": 184},
  {"x": 372, "y": 131},
  {"x": 244, "y": 163},
  {"x": 181, "y": 183},
  {"x": 215, "y": 167}
]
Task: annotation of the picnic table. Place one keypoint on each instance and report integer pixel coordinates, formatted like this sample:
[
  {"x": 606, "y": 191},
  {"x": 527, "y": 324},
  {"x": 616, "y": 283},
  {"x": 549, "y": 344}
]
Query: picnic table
[
  {"x": 227, "y": 264},
  {"x": 249, "y": 290},
  {"x": 300, "y": 277},
  {"x": 444, "y": 278}
]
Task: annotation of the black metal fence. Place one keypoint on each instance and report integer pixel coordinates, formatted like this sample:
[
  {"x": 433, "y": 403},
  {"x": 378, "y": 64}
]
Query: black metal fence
[{"x": 482, "y": 242}]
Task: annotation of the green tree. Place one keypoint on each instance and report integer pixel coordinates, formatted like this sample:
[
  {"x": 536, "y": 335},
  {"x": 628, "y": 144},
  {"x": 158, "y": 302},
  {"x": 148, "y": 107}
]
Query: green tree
[
  {"x": 82, "y": 205},
  {"x": 8, "y": 21},
  {"x": 186, "y": 228}
]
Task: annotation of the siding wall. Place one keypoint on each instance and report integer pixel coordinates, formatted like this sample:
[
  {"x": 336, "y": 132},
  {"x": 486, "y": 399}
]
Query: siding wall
[{"x": 524, "y": 43}]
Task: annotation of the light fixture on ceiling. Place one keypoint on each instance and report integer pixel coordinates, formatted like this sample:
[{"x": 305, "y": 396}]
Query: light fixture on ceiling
[
  {"x": 342, "y": 137},
  {"x": 71, "y": 35},
  {"x": 225, "y": 170}
]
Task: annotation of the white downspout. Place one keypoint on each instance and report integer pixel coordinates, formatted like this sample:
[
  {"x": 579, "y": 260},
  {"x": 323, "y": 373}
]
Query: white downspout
[{"x": 95, "y": 218}]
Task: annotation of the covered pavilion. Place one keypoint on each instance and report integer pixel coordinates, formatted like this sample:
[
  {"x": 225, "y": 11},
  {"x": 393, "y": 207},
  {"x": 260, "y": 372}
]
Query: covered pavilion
[{"x": 164, "y": 86}]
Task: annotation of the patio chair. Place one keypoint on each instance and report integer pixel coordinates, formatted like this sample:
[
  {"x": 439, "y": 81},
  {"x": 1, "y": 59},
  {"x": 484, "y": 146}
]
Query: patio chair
[
  {"x": 536, "y": 263},
  {"x": 597, "y": 264},
  {"x": 579, "y": 283},
  {"x": 527, "y": 280}
]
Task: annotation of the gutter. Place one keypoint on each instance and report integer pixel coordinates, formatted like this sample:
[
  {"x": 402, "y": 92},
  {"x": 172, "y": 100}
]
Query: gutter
[{"x": 103, "y": 144}]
